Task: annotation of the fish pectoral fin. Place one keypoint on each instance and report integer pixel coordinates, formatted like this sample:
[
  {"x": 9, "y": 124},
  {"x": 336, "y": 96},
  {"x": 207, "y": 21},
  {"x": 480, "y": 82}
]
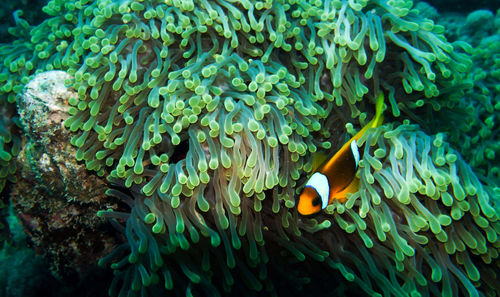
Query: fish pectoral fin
[
  {"x": 318, "y": 160},
  {"x": 353, "y": 187}
]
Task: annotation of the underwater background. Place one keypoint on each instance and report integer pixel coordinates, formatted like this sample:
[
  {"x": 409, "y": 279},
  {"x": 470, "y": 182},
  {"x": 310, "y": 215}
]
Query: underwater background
[{"x": 157, "y": 148}]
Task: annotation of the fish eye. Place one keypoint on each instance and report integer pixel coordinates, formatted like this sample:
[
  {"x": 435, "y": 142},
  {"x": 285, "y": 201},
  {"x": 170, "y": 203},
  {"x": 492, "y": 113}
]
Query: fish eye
[{"x": 316, "y": 201}]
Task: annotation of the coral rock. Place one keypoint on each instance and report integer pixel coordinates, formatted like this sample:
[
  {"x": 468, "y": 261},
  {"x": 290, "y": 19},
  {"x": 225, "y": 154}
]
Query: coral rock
[{"x": 56, "y": 198}]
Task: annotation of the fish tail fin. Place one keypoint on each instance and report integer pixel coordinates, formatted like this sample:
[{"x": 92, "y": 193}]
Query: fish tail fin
[
  {"x": 377, "y": 119},
  {"x": 379, "y": 110}
]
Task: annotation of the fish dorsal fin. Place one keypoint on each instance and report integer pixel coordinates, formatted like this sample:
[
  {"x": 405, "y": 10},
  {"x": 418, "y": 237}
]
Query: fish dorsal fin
[{"x": 318, "y": 159}]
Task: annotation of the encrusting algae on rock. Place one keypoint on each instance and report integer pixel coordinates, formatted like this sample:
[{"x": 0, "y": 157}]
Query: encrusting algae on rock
[
  {"x": 56, "y": 198},
  {"x": 206, "y": 115}
]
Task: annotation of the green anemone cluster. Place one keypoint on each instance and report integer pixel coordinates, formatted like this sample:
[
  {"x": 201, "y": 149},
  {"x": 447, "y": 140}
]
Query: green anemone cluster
[
  {"x": 421, "y": 224},
  {"x": 210, "y": 111},
  {"x": 482, "y": 147},
  {"x": 151, "y": 75},
  {"x": 107, "y": 45},
  {"x": 9, "y": 146},
  {"x": 11, "y": 83},
  {"x": 422, "y": 210},
  {"x": 478, "y": 137},
  {"x": 19, "y": 61}
]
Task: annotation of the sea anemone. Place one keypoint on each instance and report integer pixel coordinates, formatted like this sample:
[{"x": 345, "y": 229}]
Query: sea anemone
[{"x": 208, "y": 113}]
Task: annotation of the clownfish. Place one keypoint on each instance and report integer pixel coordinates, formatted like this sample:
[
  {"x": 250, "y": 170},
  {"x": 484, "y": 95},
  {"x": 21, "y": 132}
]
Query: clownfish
[{"x": 336, "y": 177}]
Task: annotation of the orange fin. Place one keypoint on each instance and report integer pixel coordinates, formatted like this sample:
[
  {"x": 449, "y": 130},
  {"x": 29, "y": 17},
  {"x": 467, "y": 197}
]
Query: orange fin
[
  {"x": 353, "y": 187},
  {"x": 318, "y": 160}
]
